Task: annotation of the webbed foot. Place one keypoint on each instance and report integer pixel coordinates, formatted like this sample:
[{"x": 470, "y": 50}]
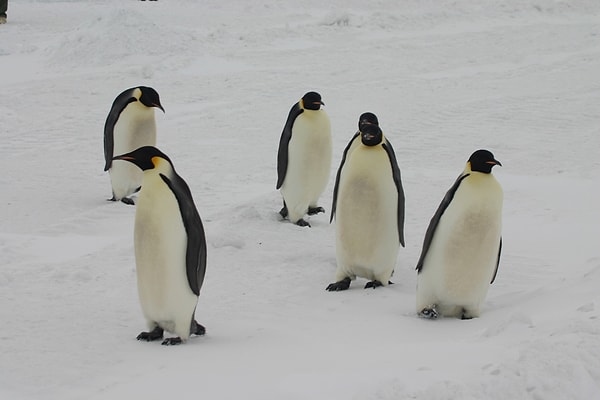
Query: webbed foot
[
  {"x": 302, "y": 222},
  {"x": 155, "y": 334},
  {"x": 197, "y": 329},
  {"x": 172, "y": 341},
  {"x": 315, "y": 210},
  {"x": 283, "y": 212},
  {"x": 344, "y": 284},
  {"x": 375, "y": 284},
  {"x": 127, "y": 201},
  {"x": 429, "y": 312}
]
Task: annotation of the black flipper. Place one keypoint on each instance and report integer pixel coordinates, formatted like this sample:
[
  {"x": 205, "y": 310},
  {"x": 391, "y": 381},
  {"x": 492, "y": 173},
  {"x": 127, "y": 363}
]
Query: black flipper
[
  {"x": 398, "y": 181},
  {"x": 284, "y": 141},
  {"x": 339, "y": 173},
  {"x": 436, "y": 219},
  {"x": 497, "y": 262},
  {"x": 195, "y": 257},
  {"x": 117, "y": 107}
]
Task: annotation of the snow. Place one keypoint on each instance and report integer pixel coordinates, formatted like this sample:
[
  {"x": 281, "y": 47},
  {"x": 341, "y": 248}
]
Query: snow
[{"x": 518, "y": 77}]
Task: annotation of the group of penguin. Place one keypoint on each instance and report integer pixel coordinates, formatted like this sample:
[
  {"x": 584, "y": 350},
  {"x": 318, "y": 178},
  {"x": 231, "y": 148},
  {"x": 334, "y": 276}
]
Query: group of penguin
[{"x": 461, "y": 249}]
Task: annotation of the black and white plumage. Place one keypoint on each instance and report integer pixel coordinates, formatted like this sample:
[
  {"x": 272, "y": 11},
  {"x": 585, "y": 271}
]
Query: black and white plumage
[
  {"x": 130, "y": 124},
  {"x": 462, "y": 245},
  {"x": 368, "y": 205},
  {"x": 304, "y": 159},
  {"x": 170, "y": 248}
]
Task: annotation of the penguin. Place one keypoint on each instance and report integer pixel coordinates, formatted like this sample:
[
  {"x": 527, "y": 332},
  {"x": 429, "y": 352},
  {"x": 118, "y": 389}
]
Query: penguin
[
  {"x": 462, "y": 245},
  {"x": 170, "y": 248},
  {"x": 368, "y": 205},
  {"x": 304, "y": 159},
  {"x": 130, "y": 124}
]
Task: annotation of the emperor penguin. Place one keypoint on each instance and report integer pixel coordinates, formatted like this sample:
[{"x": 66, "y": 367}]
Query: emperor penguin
[
  {"x": 130, "y": 124},
  {"x": 170, "y": 248},
  {"x": 304, "y": 159},
  {"x": 368, "y": 206},
  {"x": 462, "y": 245}
]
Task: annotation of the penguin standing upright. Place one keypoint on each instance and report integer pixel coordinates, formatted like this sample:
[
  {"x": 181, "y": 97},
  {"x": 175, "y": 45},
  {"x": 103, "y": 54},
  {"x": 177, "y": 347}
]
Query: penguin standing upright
[
  {"x": 170, "y": 248},
  {"x": 130, "y": 124},
  {"x": 304, "y": 159},
  {"x": 462, "y": 245},
  {"x": 368, "y": 205}
]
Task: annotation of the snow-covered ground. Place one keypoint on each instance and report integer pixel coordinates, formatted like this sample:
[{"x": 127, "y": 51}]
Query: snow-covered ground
[{"x": 518, "y": 77}]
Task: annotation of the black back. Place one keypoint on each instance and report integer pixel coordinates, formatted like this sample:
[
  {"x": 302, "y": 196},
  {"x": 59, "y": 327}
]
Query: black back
[
  {"x": 195, "y": 257},
  {"x": 284, "y": 141},
  {"x": 117, "y": 107}
]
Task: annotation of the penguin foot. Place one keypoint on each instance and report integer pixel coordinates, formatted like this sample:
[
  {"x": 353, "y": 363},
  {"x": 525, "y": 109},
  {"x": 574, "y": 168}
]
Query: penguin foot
[
  {"x": 172, "y": 341},
  {"x": 155, "y": 334},
  {"x": 373, "y": 284},
  {"x": 197, "y": 329},
  {"x": 344, "y": 284},
  {"x": 284, "y": 212},
  {"x": 127, "y": 201},
  {"x": 302, "y": 222},
  {"x": 315, "y": 210},
  {"x": 429, "y": 312}
]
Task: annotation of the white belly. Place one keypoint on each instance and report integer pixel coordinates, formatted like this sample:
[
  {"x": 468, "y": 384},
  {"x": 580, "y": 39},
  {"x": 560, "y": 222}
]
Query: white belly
[
  {"x": 367, "y": 239},
  {"x": 462, "y": 258},
  {"x": 160, "y": 248},
  {"x": 135, "y": 128},
  {"x": 309, "y": 163}
]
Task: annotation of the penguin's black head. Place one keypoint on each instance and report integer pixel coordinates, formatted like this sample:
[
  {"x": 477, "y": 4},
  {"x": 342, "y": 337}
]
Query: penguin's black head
[
  {"x": 312, "y": 101},
  {"x": 150, "y": 98},
  {"x": 143, "y": 157},
  {"x": 483, "y": 161},
  {"x": 367, "y": 118},
  {"x": 371, "y": 135}
]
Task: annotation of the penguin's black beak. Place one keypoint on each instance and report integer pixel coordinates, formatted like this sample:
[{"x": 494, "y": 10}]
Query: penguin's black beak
[
  {"x": 319, "y": 102},
  {"x": 494, "y": 162},
  {"x": 159, "y": 106}
]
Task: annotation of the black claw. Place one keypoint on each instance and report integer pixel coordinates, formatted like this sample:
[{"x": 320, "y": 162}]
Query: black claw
[
  {"x": 283, "y": 212},
  {"x": 155, "y": 334},
  {"x": 172, "y": 341},
  {"x": 197, "y": 329},
  {"x": 373, "y": 284},
  {"x": 429, "y": 313},
  {"x": 315, "y": 210},
  {"x": 302, "y": 222},
  {"x": 128, "y": 201},
  {"x": 344, "y": 284}
]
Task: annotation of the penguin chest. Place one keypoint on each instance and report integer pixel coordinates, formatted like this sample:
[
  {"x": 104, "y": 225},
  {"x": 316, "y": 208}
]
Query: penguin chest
[
  {"x": 160, "y": 249},
  {"x": 467, "y": 239},
  {"x": 310, "y": 151},
  {"x": 366, "y": 212}
]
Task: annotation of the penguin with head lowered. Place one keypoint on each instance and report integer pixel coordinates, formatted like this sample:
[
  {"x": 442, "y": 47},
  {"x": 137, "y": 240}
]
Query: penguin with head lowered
[
  {"x": 170, "y": 248},
  {"x": 130, "y": 124},
  {"x": 368, "y": 206},
  {"x": 462, "y": 245},
  {"x": 304, "y": 159}
]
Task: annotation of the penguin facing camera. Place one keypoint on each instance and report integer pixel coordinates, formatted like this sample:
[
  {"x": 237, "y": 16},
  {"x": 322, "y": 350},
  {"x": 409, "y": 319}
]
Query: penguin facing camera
[
  {"x": 170, "y": 248},
  {"x": 304, "y": 159},
  {"x": 462, "y": 245},
  {"x": 368, "y": 206},
  {"x": 130, "y": 124}
]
